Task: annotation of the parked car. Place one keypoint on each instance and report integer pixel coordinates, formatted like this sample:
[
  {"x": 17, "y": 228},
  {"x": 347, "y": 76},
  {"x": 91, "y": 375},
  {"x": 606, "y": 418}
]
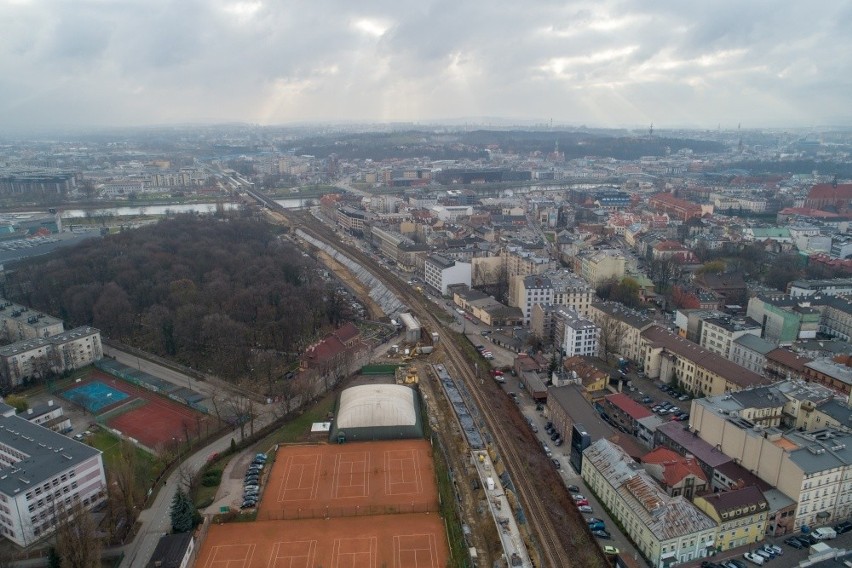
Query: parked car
[
  {"x": 556, "y": 463},
  {"x": 585, "y": 509},
  {"x": 578, "y": 497},
  {"x": 754, "y": 558},
  {"x": 843, "y": 527},
  {"x": 573, "y": 489},
  {"x": 558, "y": 442},
  {"x": 611, "y": 550},
  {"x": 767, "y": 555},
  {"x": 597, "y": 526},
  {"x": 248, "y": 504},
  {"x": 581, "y": 502},
  {"x": 251, "y": 487},
  {"x": 732, "y": 563},
  {"x": 774, "y": 548},
  {"x": 602, "y": 534},
  {"x": 683, "y": 397},
  {"x": 794, "y": 543},
  {"x": 808, "y": 539},
  {"x": 554, "y": 436},
  {"x": 591, "y": 520}
]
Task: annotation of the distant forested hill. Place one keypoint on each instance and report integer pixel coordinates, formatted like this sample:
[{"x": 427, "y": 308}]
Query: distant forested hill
[{"x": 210, "y": 293}]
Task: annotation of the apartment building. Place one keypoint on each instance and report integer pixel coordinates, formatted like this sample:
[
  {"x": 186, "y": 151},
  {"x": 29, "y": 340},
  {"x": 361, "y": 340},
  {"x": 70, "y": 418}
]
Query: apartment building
[
  {"x": 831, "y": 374},
  {"x": 667, "y": 530},
  {"x": 440, "y": 272},
  {"x": 65, "y": 351},
  {"x": 18, "y": 322},
  {"x": 572, "y": 291},
  {"x": 719, "y": 333},
  {"x": 352, "y": 220},
  {"x": 578, "y": 335},
  {"x": 831, "y": 287},
  {"x": 529, "y": 291},
  {"x": 630, "y": 323},
  {"x": 750, "y": 351},
  {"x": 677, "y": 474},
  {"x": 520, "y": 262},
  {"x": 597, "y": 266},
  {"x": 41, "y": 473},
  {"x": 812, "y": 468},
  {"x": 673, "y": 359},
  {"x": 741, "y": 514}
]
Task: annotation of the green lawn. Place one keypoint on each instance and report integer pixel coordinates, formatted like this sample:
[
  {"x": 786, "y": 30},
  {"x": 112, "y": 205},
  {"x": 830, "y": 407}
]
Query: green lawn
[{"x": 148, "y": 466}]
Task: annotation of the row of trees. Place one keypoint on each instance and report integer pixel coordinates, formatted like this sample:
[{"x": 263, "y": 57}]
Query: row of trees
[{"x": 208, "y": 293}]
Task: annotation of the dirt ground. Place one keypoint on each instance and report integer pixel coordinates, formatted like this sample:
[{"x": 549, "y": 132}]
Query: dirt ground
[{"x": 342, "y": 273}]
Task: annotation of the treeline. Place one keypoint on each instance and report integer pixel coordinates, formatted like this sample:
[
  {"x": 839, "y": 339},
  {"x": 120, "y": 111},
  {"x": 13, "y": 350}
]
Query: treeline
[{"x": 223, "y": 295}]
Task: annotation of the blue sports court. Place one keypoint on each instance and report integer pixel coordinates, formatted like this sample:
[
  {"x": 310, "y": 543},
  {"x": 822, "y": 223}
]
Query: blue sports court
[{"x": 94, "y": 396}]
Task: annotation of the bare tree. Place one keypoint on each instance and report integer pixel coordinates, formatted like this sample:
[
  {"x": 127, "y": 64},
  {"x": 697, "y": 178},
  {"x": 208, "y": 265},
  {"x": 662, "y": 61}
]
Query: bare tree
[
  {"x": 123, "y": 481},
  {"x": 77, "y": 540},
  {"x": 612, "y": 336}
]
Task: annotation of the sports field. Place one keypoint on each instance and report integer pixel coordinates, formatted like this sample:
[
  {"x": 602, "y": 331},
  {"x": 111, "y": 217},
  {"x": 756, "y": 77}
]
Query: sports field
[
  {"x": 136, "y": 412},
  {"x": 365, "y": 478},
  {"x": 346, "y": 506},
  {"x": 393, "y": 541}
]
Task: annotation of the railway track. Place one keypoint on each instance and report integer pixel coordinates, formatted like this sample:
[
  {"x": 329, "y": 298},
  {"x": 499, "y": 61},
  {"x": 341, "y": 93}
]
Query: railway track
[{"x": 551, "y": 548}]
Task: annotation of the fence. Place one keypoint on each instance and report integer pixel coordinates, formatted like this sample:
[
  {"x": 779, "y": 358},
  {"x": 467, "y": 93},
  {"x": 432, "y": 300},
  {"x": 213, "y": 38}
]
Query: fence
[{"x": 328, "y": 512}]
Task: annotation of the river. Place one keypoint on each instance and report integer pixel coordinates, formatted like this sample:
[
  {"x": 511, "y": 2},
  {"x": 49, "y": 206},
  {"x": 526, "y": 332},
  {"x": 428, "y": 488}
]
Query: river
[{"x": 157, "y": 210}]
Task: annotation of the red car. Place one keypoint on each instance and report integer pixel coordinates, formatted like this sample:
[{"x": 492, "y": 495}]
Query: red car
[{"x": 581, "y": 502}]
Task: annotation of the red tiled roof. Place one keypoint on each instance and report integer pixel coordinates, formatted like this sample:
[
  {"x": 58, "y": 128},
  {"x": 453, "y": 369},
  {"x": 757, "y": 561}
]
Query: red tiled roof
[
  {"x": 828, "y": 191},
  {"x": 628, "y": 405},
  {"x": 324, "y": 350},
  {"x": 788, "y": 359},
  {"x": 675, "y": 466}
]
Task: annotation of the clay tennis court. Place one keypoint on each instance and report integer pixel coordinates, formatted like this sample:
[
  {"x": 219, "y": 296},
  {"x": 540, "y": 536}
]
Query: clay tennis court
[
  {"x": 393, "y": 541},
  {"x": 350, "y": 479}
]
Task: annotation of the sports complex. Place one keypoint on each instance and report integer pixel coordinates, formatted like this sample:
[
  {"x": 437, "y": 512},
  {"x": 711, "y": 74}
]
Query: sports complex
[
  {"x": 363, "y": 504},
  {"x": 137, "y": 406}
]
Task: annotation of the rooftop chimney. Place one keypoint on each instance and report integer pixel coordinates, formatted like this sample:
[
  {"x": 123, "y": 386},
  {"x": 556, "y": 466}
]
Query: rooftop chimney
[{"x": 50, "y": 402}]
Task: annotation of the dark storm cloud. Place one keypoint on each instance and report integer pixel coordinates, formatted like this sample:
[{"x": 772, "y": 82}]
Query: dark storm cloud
[{"x": 597, "y": 62}]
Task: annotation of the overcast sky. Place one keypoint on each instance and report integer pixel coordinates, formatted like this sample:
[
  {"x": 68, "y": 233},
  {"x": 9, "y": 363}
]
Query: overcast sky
[{"x": 599, "y": 63}]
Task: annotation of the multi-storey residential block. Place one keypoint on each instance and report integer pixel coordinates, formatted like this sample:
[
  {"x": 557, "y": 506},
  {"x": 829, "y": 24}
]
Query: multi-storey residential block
[
  {"x": 352, "y": 220},
  {"x": 836, "y": 376},
  {"x": 630, "y": 323},
  {"x": 42, "y": 474},
  {"x": 812, "y": 468},
  {"x": 831, "y": 287},
  {"x": 677, "y": 474},
  {"x": 597, "y": 266},
  {"x": 718, "y": 333},
  {"x": 68, "y": 350},
  {"x": 667, "y": 530},
  {"x": 440, "y": 272},
  {"x": 740, "y": 513},
  {"x": 571, "y": 291},
  {"x": 784, "y": 319},
  {"x": 674, "y": 207},
  {"x": 19, "y": 322},
  {"x": 531, "y": 290},
  {"x": 578, "y": 335},
  {"x": 672, "y": 358},
  {"x": 750, "y": 351}
]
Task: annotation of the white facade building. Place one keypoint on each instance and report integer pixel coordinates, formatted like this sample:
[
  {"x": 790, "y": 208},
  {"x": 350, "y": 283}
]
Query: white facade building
[
  {"x": 42, "y": 472},
  {"x": 440, "y": 272},
  {"x": 65, "y": 351},
  {"x": 532, "y": 290},
  {"x": 579, "y": 336}
]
